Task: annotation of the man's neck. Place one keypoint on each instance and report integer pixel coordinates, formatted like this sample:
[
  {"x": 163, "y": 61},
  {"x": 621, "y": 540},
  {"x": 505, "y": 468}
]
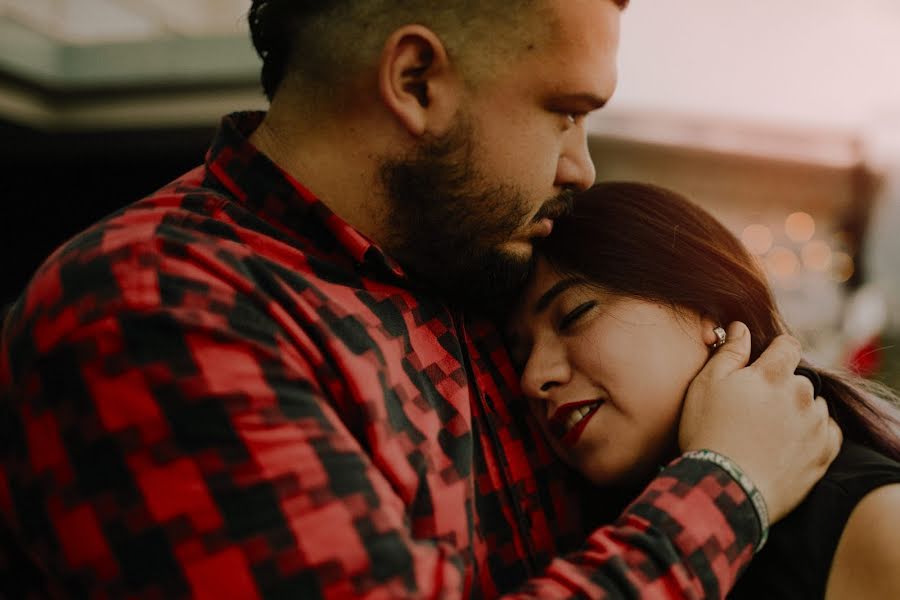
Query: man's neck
[{"x": 334, "y": 163}]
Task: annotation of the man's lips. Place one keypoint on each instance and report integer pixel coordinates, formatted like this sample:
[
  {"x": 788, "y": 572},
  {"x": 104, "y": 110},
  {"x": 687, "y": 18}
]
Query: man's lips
[
  {"x": 542, "y": 228},
  {"x": 560, "y": 206},
  {"x": 569, "y": 420}
]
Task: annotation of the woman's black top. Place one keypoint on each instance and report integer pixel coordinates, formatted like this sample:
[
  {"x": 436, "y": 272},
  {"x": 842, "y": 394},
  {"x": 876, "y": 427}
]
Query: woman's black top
[{"x": 797, "y": 558}]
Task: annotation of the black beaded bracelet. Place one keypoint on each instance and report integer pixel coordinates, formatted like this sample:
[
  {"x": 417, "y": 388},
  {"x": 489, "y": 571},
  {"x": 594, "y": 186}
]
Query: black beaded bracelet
[{"x": 756, "y": 498}]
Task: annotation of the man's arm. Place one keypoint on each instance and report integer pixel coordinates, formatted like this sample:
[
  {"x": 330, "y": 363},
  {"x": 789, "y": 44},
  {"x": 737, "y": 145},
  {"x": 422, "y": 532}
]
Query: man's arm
[
  {"x": 166, "y": 453},
  {"x": 177, "y": 450}
]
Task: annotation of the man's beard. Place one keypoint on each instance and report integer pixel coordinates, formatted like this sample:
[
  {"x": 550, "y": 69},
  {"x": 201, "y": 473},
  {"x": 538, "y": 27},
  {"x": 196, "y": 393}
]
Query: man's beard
[{"x": 447, "y": 223}]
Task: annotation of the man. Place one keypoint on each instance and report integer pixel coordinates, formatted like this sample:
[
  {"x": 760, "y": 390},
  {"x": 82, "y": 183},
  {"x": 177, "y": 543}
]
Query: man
[{"x": 270, "y": 380}]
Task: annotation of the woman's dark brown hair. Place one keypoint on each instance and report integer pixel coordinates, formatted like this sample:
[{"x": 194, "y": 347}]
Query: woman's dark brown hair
[{"x": 651, "y": 243}]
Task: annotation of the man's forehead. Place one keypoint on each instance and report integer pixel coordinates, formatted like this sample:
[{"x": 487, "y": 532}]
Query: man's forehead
[
  {"x": 584, "y": 23},
  {"x": 583, "y": 43}
]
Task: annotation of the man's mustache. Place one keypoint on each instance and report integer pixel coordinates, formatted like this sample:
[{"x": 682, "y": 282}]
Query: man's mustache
[{"x": 561, "y": 205}]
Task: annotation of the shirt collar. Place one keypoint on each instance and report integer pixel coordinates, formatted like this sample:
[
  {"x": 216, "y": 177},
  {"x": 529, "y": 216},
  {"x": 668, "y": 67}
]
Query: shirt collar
[{"x": 270, "y": 192}]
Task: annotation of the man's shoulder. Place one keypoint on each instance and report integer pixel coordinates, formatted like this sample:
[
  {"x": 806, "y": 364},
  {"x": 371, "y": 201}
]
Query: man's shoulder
[
  {"x": 176, "y": 203},
  {"x": 154, "y": 224},
  {"x": 122, "y": 260},
  {"x": 189, "y": 242}
]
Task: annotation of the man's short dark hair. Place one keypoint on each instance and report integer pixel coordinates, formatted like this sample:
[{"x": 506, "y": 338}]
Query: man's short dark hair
[{"x": 325, "y": 41}]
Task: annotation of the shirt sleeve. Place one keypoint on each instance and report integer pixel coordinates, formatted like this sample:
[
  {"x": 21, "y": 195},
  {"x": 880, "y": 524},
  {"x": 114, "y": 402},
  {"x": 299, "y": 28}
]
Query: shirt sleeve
[
  {"x": 689, "y": 534},
  {"x": 179, "y": 444}
]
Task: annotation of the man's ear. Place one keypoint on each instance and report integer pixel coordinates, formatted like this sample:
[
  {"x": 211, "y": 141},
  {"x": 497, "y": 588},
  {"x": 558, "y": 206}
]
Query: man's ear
[{"x": 417, "y": 82}]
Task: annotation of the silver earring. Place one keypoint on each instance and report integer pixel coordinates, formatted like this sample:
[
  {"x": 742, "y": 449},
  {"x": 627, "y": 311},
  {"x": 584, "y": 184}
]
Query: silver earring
[{"x": 721, "y": 338}]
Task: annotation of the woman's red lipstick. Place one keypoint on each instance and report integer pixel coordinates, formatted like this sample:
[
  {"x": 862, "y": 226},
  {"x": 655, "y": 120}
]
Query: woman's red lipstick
[{"x": 558, "y": 423}]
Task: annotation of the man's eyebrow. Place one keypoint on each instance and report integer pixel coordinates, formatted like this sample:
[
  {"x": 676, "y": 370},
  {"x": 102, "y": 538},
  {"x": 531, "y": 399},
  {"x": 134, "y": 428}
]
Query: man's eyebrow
[
  {"x": 558, "y": 288},
  {"x": 585, "y": 98}
]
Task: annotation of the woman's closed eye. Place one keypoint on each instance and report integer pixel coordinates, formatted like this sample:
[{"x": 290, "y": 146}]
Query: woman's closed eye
[{"x": 572, "y": 317}]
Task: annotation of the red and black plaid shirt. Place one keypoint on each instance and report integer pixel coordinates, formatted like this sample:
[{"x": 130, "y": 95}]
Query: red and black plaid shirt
[{"x": 224, "y": 391}]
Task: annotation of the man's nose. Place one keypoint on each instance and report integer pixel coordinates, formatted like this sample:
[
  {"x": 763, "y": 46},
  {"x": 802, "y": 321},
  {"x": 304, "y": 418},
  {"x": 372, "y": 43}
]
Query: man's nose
[{"x": 575, "y": 168}]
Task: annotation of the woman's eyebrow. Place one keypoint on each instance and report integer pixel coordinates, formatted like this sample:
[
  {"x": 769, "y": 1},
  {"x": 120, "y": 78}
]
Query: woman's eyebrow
[{"x": 557, "y": 289}]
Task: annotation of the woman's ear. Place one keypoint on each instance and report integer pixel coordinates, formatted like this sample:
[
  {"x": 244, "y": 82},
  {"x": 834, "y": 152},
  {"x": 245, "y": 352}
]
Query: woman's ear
[
  {"x": 708, "y": 325},
  {"x": 416, "y": 81}
]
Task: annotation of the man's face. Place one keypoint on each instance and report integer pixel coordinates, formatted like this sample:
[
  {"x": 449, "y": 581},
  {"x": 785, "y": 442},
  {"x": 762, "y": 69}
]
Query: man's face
[{"x": 467, "y": 206}]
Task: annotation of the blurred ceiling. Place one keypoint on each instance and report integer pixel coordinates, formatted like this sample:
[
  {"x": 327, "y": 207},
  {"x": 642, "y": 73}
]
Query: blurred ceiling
[
  {"x": 806, "y": 79},
  {"x": 101, "y": 64},
  {"x": 104, "y": 21}
]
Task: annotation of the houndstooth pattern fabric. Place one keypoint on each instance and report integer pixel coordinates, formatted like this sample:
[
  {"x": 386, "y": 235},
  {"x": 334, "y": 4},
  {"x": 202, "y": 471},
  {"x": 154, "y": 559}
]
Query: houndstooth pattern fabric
[{"x": 224, "y": 391}]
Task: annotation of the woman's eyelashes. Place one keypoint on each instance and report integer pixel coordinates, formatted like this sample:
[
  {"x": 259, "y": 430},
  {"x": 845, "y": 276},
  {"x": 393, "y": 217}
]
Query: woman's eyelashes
[{"x": 571, "y": 317}]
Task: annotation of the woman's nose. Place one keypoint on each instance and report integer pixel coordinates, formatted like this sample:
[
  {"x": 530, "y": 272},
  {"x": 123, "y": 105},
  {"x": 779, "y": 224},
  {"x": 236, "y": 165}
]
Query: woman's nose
[{"x": 543, "y": 372}]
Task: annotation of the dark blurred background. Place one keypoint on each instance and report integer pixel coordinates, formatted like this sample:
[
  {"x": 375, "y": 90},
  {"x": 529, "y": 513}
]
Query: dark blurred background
[{"x": 56, "y": 184}]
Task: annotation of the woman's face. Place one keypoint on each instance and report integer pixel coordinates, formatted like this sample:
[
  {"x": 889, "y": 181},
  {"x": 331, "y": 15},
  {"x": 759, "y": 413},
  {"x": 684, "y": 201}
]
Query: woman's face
[{"x": 606, "y": 374}]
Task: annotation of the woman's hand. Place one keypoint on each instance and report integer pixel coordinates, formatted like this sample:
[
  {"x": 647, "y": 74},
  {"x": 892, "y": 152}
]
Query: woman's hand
[{"x": 763, "y": 417}]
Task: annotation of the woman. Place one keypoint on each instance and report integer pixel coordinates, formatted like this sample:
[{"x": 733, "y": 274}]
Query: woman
[{"x": 626, "y": 304}]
